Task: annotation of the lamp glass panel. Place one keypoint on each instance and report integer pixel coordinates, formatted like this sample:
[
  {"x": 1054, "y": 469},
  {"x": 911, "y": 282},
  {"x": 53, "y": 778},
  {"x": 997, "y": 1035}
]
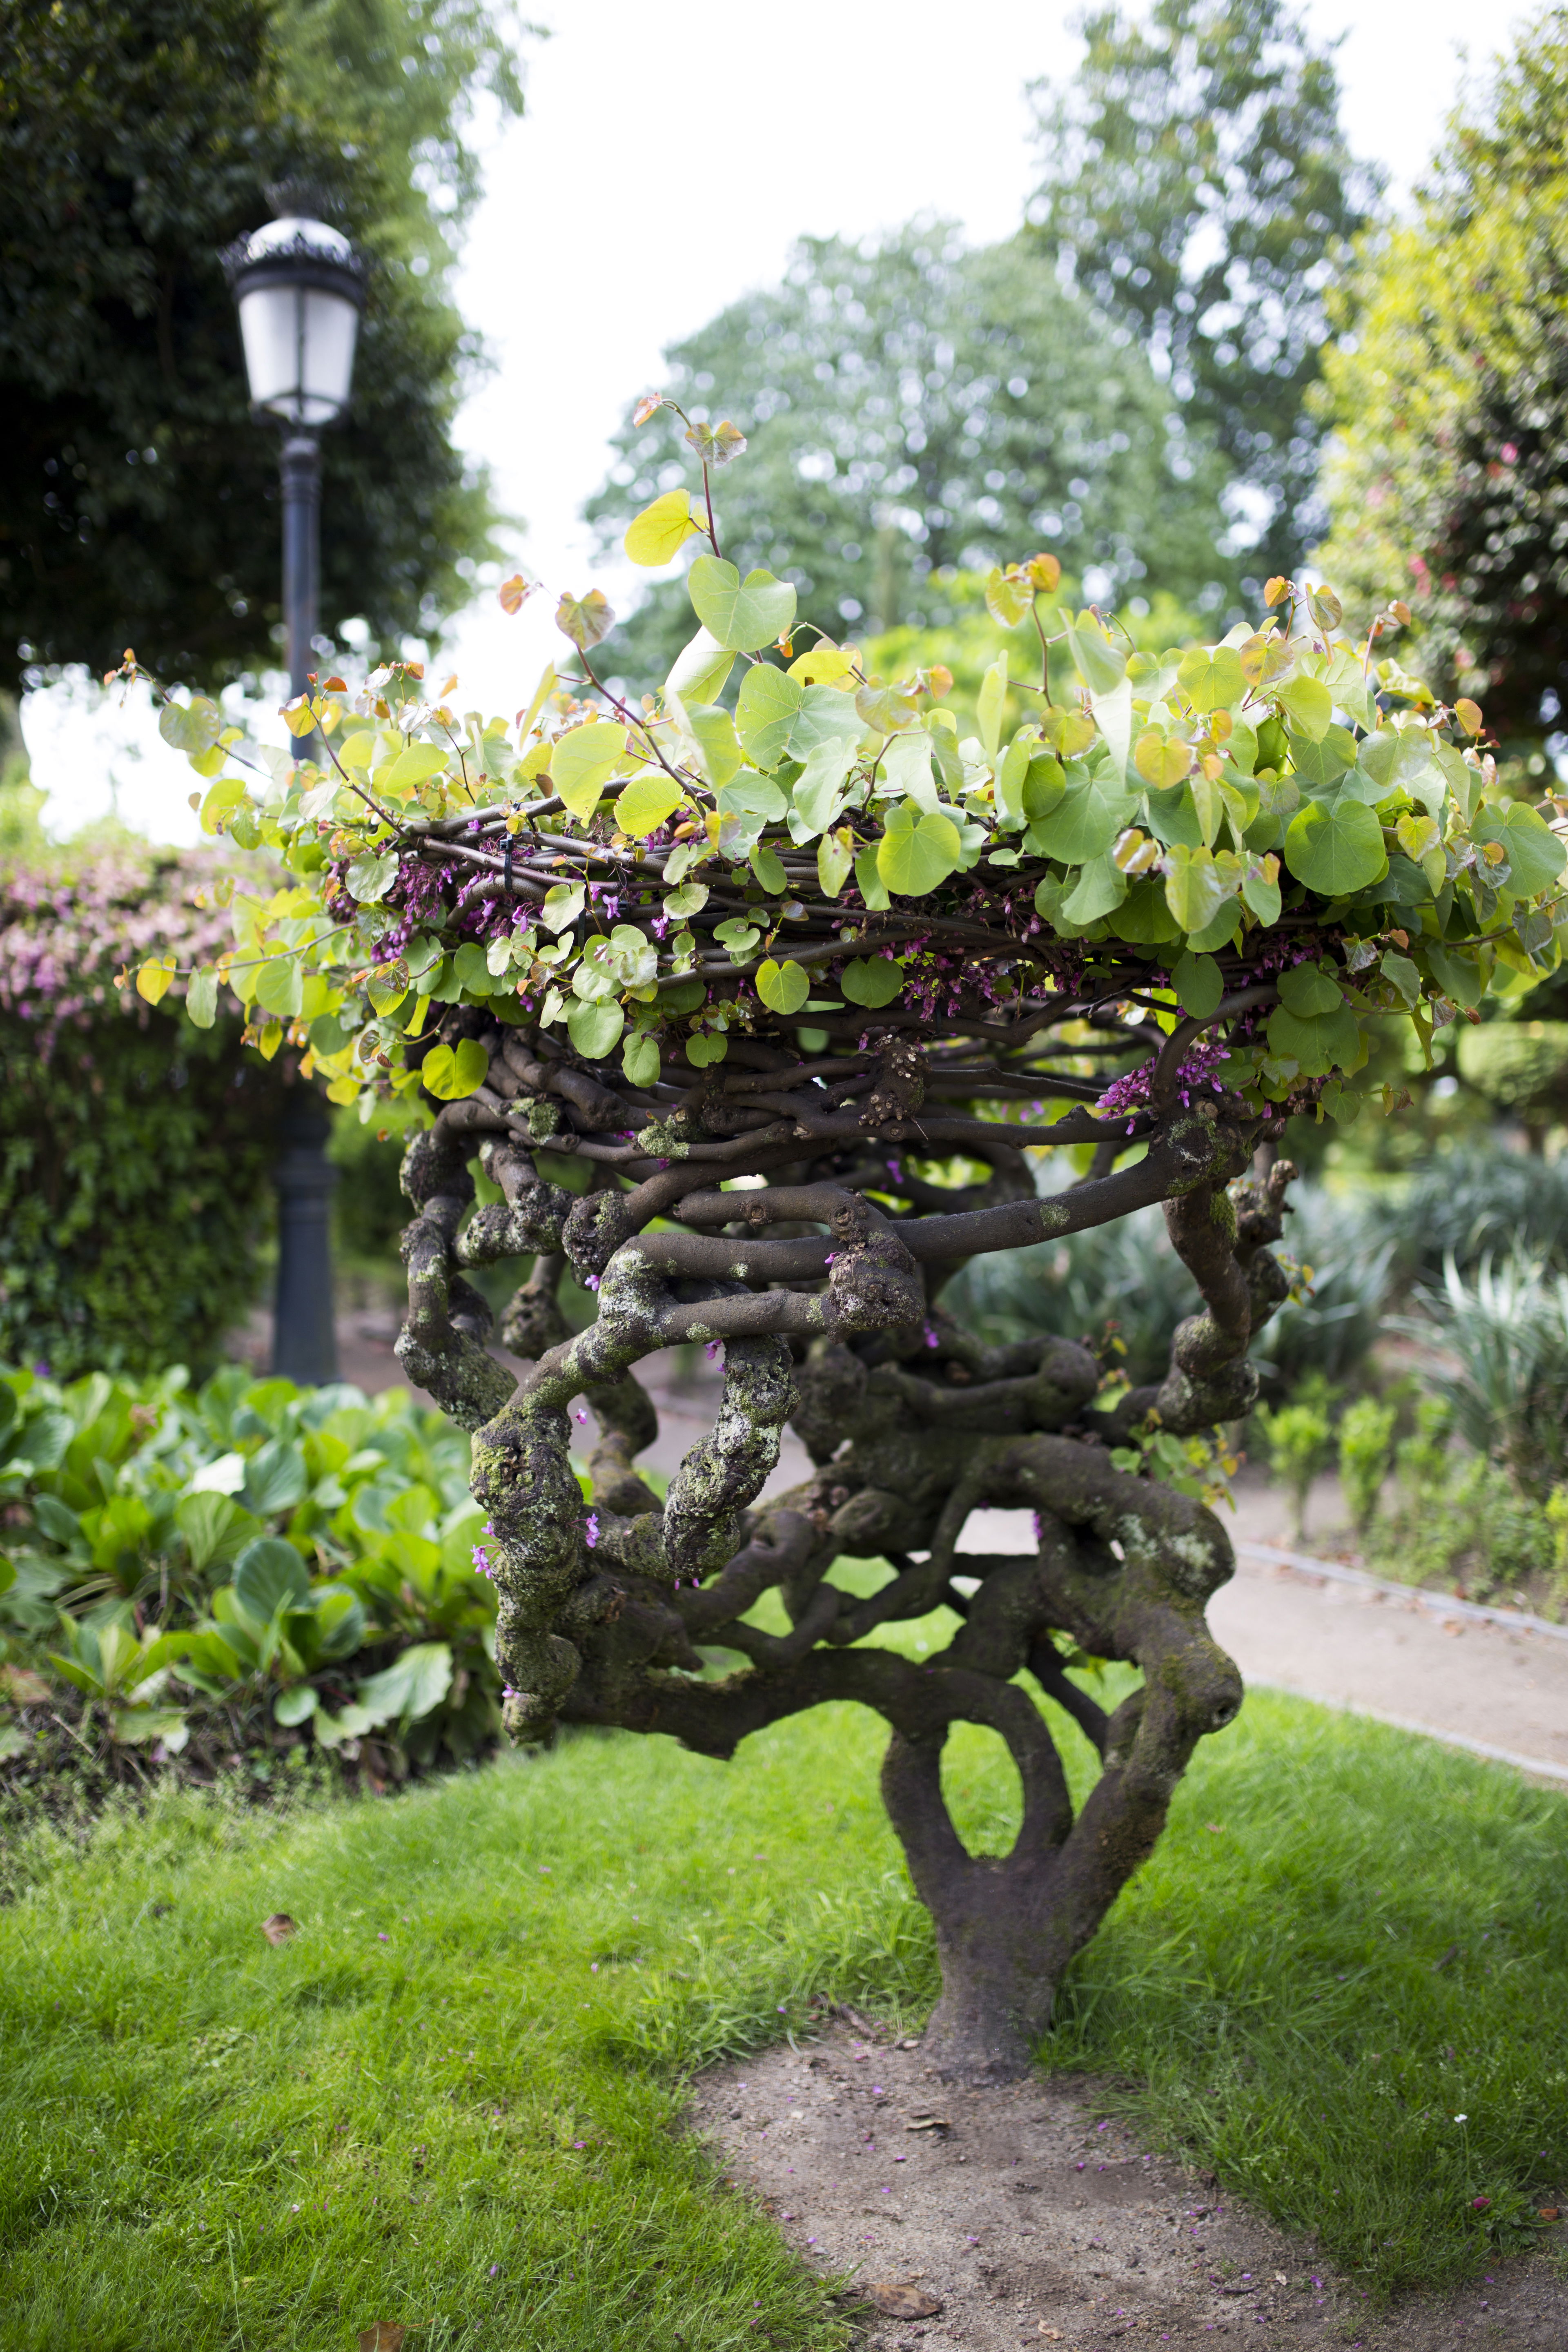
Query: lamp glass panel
[
  {"x": 298, "y": 351},
  {"x": 330, "y": 326},
  {"x": 269, "y": 329}
]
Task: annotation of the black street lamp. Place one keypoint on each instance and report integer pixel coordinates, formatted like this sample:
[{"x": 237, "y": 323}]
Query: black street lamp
[{"x": 300, "y": 288}]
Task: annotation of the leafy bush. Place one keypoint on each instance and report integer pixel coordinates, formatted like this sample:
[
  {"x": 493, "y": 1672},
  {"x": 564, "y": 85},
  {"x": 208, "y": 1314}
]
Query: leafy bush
[
  {"x": 1300, "y": 1439},
  {"x": 1507, "y": 1391},
  {"x": 228, "y": 1565},
  {"x": 1329, "y": 1324},
  {"x": 1478, "y": 1200},
  {"x": 1366, "y": 1450},
  {"x": 121, "y": 1120},
  {"x": 1129, "y": 1273},
  {"x": 1125, "y": 1273}
]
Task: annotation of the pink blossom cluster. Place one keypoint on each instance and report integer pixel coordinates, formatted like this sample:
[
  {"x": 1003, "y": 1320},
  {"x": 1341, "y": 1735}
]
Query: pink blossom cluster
[{"x": 67, "y": 928}]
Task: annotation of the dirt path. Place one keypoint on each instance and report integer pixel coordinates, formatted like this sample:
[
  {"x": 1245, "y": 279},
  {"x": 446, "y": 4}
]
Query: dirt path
[{"x": 1004, "y": 2219}]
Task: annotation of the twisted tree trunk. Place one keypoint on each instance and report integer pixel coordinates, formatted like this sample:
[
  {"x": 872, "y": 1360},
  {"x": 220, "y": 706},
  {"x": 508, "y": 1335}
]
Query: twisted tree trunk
[{"x": 605, "y": 1612}]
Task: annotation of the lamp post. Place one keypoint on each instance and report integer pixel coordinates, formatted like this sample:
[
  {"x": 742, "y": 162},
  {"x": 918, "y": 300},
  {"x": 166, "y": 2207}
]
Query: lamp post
[{"x": 299, "y": 285}]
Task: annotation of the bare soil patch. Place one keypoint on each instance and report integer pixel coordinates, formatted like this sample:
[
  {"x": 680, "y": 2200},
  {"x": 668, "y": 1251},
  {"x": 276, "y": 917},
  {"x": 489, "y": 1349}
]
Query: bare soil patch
[{"x": 1031, "y": 2221}]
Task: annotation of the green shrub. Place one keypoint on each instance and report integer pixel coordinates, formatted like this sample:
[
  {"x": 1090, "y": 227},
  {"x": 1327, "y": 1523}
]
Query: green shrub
[
  {"x": 245, "y": 1563},
  {"x": 1300, "y": 1439},
  {"x": 1129, "y": 1273},
  {"x": 1366, "y": 1450},
  {"x": 121, "y": 1124}
]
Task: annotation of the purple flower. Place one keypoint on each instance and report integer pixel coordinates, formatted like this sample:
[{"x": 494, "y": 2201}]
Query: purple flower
[
  {"x": 928, "y": 1335},
  {"x": 714, "y": 1350},
  {"x": 592, "y": 1528}
]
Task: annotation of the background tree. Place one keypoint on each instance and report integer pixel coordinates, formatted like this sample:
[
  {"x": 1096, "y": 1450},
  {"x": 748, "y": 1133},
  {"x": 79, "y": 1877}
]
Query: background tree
[
  {"x": 911, "y": 408},
  {"x": 1198, "y": 187},
  {"x": 1448, "y": 398},
  {"x": 139, "y": 500}
]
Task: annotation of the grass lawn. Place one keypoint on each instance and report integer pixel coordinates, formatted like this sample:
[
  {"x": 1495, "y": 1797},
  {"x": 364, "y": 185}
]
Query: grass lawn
[{"x": 446, "y": 2100}]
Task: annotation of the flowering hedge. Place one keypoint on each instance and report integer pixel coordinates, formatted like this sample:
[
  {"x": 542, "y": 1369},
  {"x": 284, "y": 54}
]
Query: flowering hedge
[{"x": 119, "y": 1120}]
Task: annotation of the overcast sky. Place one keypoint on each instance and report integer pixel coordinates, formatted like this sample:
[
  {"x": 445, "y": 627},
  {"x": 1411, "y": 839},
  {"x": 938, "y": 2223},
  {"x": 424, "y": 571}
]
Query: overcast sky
[{"x": 656, "y": 178}]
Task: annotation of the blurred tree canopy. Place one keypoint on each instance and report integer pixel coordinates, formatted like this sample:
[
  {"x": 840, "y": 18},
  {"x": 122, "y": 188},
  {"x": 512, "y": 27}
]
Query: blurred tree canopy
[
  {"x": 1449, "y": 400},
  {"x": 913, "y": 408},
  {"x": 138, "y": 502},
  {"x": 1198, "y": 187}
]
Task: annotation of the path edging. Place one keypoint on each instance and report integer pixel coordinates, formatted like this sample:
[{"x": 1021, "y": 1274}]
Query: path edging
[{"x": 1517, "y": 1621}]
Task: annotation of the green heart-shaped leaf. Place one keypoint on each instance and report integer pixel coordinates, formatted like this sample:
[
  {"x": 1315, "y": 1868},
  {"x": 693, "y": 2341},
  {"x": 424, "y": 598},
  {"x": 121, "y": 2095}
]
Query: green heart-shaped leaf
[
  {"x": 872, "y": 981},
  {"x": 782, "y": 987},
  {"x": 643, "y": 807},
  {"x": 639, "y": 1059},
  {"x": 1535, "y": 855},
  {"x": 1085, "y": 821},
  {"x": 370, "y": 877},
  {"x": 1198, "y": 984},
  {"x": 583, "y": 763},
  {"x": 595, "y": 1029},
  {"x": 1329, "y": 1041},
  {"x": 743, "y": 614},
  {"x": 449, "y": 1074},
  {"x": 1335, "y": 849},
  {"x": 1307, "y": 991},
  {"x": 918, "y": 850}
]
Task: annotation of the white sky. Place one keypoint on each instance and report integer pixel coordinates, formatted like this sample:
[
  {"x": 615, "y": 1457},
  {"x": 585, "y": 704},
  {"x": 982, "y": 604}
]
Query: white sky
[{"x": 656, "y": 178}]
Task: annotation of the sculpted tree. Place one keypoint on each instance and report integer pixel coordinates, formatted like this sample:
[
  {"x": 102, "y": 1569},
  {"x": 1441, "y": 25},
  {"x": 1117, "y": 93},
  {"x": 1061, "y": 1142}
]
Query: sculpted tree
[{"x": 795, "y": 987}]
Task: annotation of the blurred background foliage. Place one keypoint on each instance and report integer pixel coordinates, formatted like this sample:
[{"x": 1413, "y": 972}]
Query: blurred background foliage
[
  {"x": 139, "y": 502},
  {"x": 913, "y": 411}
]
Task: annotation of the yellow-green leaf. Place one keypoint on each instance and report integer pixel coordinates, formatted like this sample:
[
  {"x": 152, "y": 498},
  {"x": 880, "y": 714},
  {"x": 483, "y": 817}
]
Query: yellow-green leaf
[
  {"x": 1008, "y": 594},
  {"x": 225, "y": 795},
  {"x": 413, "y": 766},
  {"x": 743, "y": 614},
  {"x": 594, "y": 1028},
  {"x": 661, "y": 530},
  {"x": 201, "y": 997},
  {"x": 583, "y": 763},
  {"x": 918, "y": 850},
  {"x": 646, "y": 803},
  {"x": 1309, "y": 704},
  {"x": 782, "y": 987},
  {"x": 152, "y": 978},
  {"x": 1161, "y": 761},
  {"x": 834, "y": 856},
  {"x": 1210, "y": 677},
  {"x": 450, "y": 1073},
  {"x": 279, "y": 987},
  {"x": 584, "y": 619},
  {"x": 988, "y": 704},
  {"x": 1194, "y": 890}
]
